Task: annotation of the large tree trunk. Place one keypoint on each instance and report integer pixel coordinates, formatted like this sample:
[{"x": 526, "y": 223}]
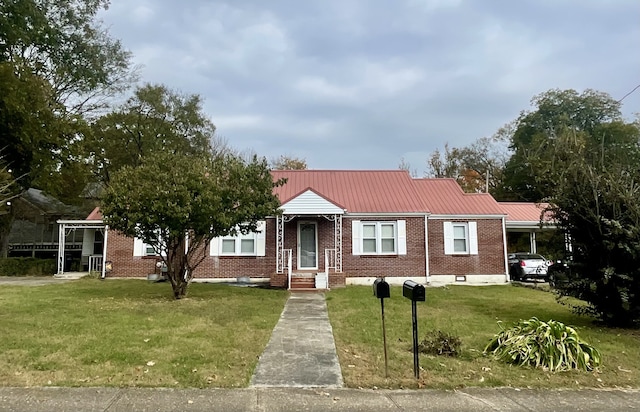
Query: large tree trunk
[
  {"x": 6, "y": 220},
  {"x": 177, "y": 264}
]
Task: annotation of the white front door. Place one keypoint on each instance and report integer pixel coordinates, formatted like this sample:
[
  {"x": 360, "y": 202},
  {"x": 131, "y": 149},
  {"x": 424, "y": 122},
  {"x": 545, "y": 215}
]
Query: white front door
[{"x": 307, "y": 245}]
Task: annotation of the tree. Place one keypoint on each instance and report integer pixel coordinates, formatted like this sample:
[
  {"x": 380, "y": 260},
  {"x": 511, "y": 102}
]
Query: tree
[
  {"x": 57, "y": 65},
  {"x": 286, "y": 162},
  {"x": 555, "y": 110},
  {"x": 154, "y": 119},
  {"x": 405, "y": 165},
  {"x": 178, "y": 203},
  {"x": 581, "y": 158},
  {"x": 61, "y": 42},
  {"x": 476, "y": 167}
]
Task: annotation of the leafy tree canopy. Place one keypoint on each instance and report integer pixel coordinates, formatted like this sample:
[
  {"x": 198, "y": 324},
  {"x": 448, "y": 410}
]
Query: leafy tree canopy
[
  {"x": 576, "y": 153},
  {"x": 286, "y": 162},
  {"x": 154, "y": 119},
  {"x": 476, "y": 167},
  {"x": 555, "y": 112},
  {"x": 170, "y": 197}
]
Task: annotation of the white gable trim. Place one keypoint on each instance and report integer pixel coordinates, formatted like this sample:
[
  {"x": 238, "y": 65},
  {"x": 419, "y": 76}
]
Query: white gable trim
[{"x": 310, "y": 203}]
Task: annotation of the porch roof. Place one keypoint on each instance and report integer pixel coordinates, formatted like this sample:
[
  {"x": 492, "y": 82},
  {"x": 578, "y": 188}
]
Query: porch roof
[{"x": 310, "y": 202}]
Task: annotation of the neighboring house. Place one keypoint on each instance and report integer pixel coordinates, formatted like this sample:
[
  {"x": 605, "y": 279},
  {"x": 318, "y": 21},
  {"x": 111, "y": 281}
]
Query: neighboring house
[
  {"x": 350, "y": 227},
  {"x": 35, "y": 233}
]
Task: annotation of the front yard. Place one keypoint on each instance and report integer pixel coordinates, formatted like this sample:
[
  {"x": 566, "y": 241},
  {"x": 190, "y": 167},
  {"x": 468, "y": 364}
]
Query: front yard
[
  {"x": 132, "y": 333},
  {"x": 470, "y": 313}
]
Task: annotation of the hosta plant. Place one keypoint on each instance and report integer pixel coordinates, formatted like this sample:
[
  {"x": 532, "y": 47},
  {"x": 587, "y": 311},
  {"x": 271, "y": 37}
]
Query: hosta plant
[{"x": 549, "y": 345}]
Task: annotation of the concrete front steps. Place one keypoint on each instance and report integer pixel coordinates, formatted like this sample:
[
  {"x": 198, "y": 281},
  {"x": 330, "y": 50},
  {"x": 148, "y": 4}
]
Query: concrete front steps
[{"x": 304, "y": 282}]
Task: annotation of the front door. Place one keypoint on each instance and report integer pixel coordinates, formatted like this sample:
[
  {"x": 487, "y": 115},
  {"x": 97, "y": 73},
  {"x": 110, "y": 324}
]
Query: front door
[{"x": 307, "y": 245}]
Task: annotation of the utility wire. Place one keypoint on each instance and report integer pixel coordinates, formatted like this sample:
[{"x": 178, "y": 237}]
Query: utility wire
[{"x": 626, "y": 95}]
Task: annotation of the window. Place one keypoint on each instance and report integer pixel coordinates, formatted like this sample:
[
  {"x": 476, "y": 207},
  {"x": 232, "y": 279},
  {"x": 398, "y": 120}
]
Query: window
[
  {"x": 379, "y": 238},
  {"x": 239, "y": 245},
  {"x": 251, "y": 244},
  {"x": 460, "y": 238},
  {"x": 143, "y": 249},
  {"x": 149, "y": 250}
]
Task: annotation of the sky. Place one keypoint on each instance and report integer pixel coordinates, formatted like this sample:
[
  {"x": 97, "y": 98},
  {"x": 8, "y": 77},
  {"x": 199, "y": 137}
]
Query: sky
[{"x": 363, "y": 84}]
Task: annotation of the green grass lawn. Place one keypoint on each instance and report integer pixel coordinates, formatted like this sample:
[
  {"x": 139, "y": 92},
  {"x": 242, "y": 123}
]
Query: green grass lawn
[
  {"x": 470, "y": 313},
  {"x": 132, "y": 333}
]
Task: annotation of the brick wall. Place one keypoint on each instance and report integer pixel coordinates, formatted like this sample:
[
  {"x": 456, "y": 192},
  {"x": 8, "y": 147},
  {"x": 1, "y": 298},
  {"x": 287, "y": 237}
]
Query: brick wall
[
  {"x": 120, "y": 253},
  {"x": 411, "y": 264},
  {"x": 488, "y": 261}
]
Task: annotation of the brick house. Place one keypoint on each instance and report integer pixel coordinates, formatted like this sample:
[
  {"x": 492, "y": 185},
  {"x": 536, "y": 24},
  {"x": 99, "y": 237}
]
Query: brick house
[{"x": 349, "y": 227}]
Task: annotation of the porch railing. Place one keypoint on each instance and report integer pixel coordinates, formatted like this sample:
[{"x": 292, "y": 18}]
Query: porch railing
[
  {"x": 286, "y": 257},
  {"x": 95, "y": 263},
  {"x": 330, "y": 260}
]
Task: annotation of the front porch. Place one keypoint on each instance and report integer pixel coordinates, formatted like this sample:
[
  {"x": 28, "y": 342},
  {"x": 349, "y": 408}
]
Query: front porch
[{"x": 309, "y": 242}]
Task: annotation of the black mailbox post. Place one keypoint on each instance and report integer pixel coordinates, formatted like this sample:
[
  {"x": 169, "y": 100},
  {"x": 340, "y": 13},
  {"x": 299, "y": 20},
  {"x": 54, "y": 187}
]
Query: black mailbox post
[
  {"x": 381, "y": 291},
  {"x": 415, "y": 293}
]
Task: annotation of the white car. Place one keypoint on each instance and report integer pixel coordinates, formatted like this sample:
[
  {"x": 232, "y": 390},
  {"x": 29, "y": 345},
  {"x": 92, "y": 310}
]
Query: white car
[{"x": 528, "y": 266}]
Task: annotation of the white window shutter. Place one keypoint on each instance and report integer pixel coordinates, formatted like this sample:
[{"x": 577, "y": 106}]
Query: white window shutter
[
  {"x": 448, "y": 238},
  {"x": 402, "y": 237},
  {"x": 138, "y": 247},
  {"x": 473, "y": 238},
  {"x": 261, "y": 235},
  {"x": 356, "y": 227},
  {"x": 214, "y": 247}
]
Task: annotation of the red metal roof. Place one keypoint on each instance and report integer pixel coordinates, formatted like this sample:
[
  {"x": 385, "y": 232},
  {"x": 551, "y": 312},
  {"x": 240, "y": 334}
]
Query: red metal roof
[
  {"x": 446, "y": 197},
  {"x": 95, "y": 214},
  {"x": 358, "y": 191},
  {"x": 385, "y": 191},
  {"x": 525, "y": 211}
]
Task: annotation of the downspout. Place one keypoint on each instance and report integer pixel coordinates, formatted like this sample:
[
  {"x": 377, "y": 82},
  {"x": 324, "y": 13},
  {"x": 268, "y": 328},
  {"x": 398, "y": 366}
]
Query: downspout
[
  {"x": 104, "y": 252},
  {"x": 504, "y": 244},
  {"x": 426, "y": 249}
]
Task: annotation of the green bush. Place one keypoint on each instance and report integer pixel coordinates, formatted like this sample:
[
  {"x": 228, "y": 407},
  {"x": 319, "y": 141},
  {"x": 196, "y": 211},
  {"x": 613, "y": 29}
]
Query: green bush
[
  {"x": 20, "y": 266},
  {"x": 440, "y": 343},
  {"x": 550, "y": 345}
]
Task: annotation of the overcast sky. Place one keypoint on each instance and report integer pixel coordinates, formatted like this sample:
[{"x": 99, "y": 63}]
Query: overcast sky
[{"x": 361, "y": 84}]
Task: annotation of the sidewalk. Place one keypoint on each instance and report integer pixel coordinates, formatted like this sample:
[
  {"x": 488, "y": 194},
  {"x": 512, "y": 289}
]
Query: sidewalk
[{"x": 297, "y": 399}]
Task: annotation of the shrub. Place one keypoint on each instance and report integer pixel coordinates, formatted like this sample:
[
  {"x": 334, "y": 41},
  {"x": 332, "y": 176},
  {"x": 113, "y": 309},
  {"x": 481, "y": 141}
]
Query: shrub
[
  {"x": 440, "y": 343},
  {"x": 21, "y": 266},
  {"x": 550, "y": 345}
]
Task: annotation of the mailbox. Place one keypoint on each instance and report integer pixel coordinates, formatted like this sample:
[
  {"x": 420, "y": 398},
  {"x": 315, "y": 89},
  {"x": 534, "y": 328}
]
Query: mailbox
[
  {"x": 381, "y": 289},
  {"x": 413, "y": 291}
]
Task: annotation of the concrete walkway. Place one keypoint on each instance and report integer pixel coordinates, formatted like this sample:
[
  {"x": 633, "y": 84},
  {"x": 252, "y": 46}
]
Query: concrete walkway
[{"x": 301, "y": 352}]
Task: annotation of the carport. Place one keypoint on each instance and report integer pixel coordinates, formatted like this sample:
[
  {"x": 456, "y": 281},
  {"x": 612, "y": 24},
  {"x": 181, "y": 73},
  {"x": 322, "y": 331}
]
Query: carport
[{"x": 527, "y": 217}]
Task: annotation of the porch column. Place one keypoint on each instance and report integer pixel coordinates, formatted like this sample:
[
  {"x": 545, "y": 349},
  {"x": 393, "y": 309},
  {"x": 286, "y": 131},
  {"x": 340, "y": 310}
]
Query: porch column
[
  {"x": 279, "y": 244},
  {"x": 62, "y": 228},
  {"x": 337, "y": 222},
  {"x": 103, "y": 274},
  {"x": 532, "y": 240}
]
